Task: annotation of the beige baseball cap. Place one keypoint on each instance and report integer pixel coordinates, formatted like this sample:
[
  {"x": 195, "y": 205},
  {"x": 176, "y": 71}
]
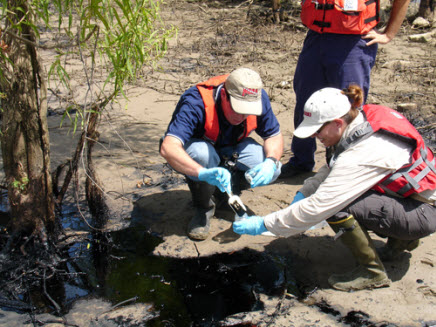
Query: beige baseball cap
[
  {"x": 322, "y": 106},
  {"x": 245, "y": 89}
]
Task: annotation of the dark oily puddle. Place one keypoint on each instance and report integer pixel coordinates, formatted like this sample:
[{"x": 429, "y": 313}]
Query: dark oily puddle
[
  {"x": 200, "y": 291},
  {"x": 120, "y": 268}
]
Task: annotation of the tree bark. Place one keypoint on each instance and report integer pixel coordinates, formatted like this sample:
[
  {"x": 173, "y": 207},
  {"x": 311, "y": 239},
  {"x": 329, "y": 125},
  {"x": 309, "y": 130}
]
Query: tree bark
[
  {"x": 25, "y": 136},
  {"x": 427, "y": 10},
  {"x": 94, "y": 193},
  {"x": 276, "y": 10}
]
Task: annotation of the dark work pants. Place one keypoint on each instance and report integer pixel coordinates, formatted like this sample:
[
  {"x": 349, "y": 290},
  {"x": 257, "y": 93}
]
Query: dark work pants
[
  {"x": 404, "y": 219},
  {"x": 327, "y": 60}
]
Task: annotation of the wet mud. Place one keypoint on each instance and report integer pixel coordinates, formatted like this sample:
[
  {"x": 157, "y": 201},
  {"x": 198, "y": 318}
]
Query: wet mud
[
  {"x": 204, "y": 291},
  {"x": 200, "y": 291}
]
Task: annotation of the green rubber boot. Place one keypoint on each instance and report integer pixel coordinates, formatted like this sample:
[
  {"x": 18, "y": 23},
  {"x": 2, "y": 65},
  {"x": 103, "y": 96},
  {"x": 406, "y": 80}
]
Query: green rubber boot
[
  {"x": 199, "y": 226},
  {"x": 370, "y": 273},
  {"x": 394, "y": 248}
]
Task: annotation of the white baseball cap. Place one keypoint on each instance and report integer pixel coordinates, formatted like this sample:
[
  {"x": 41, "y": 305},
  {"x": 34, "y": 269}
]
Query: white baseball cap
[
  {"x": 245, "y": 89},
  {"x": 322, "y": 106}
]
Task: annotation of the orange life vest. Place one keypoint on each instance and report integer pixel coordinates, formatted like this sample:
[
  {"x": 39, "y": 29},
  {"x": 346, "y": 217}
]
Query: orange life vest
[
  {"x": 415, "y": 177},
  {"x": 340, "y": 16},
  {"x": 211, "y": 124}
]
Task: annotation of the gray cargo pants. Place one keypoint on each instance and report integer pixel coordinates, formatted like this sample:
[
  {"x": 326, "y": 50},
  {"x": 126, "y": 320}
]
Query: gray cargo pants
[{"x": 388, "y": 216}]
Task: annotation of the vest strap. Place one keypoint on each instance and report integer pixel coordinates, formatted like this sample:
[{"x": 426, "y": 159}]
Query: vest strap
[
  {"x": 324, "y": 6},
  {"x": 351, "y": 13},
  {"x": 321, "y": 23},
  {"x": 370, "y": 19},
  {"x": 402, "y": 172},
  {"x": 413, "y": 181},
  {"x": 358, "y": 134},
  {"x": 430, "y": 164}
]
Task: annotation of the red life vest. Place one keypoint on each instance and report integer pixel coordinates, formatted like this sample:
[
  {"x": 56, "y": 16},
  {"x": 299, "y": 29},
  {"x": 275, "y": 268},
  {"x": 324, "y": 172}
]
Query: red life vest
[
  {"x": 333, "y": 16},
  {"x": 414, "y": 177},
  {"x": 211, "y": 124}
]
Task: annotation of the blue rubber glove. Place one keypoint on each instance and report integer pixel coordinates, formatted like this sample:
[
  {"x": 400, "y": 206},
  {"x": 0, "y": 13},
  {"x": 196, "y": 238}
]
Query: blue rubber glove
[
  {"x": 263, "y": 173},
  {"x": 218, "y": 176},
  {"x": 299, "y": 196},
  {"x": 251, "y": 225}
]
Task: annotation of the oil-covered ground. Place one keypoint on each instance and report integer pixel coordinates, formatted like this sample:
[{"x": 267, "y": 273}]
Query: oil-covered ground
[{"x": 144, "y": 271}]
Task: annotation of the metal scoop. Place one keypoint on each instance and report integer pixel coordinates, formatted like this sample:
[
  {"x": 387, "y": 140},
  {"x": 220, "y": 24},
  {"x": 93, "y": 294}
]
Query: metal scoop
[{"x": 236, "y": 204}]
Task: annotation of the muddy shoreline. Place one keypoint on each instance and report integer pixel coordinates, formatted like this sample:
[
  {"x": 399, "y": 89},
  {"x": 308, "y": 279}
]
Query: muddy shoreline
[{"x": 151, "y": 204}]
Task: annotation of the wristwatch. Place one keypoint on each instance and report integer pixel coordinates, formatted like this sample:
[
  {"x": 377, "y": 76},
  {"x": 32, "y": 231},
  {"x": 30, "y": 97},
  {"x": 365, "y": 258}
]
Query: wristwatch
[{"x": 275, "y": 161}]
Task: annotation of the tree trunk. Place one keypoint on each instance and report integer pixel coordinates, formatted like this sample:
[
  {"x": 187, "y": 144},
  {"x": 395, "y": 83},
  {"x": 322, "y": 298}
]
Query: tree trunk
[
  {"x": 276, "y": 10},
  {"x": 25, "y": 137},
  {"x": 427, "y": 10},
  {"x": 94, "y": 193}
]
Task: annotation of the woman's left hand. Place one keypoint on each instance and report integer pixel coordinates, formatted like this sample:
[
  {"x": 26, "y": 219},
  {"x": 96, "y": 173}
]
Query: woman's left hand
[{"x": 252, "y": 225}]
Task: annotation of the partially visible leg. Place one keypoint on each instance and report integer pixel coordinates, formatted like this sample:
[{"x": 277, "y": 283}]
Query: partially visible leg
[
  {"x": 394, "y": 248},
  {"x": 370, "y": 273},
  {"x": 250, "y": 154},
  {"x": 276, "y": 10},
  {"x": 202, "y": 152},
  {"x": 308, "y": 78},
  {"x": 348, "y": 60},
  {"x": 403, "y": 221},
  {"x": 199, "y": 226},
  {"x": 205, "y": 154}
]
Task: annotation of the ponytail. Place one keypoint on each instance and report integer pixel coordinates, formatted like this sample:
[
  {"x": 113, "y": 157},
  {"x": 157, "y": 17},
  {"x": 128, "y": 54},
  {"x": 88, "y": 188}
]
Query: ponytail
[{"x": 355, "y": 96}]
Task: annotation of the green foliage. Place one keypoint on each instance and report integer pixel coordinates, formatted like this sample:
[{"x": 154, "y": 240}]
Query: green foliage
[
  {"x": 21, "y": 184},
  {"x": 120, "y": 36}
]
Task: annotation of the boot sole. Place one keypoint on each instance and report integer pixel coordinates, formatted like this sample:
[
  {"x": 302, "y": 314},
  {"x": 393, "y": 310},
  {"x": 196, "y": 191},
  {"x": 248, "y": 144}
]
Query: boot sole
[
  {"x": 378, "y": 284},
  {"x": 412, "y": 245},
  {"x": 198, "y": 237}
]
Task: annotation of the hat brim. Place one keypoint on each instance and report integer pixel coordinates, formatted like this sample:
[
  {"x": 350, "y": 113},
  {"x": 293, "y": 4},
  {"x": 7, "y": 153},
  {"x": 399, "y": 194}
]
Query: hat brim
[
  {"x": 306, "y": 129},
  {"x": 246, "y": 107}
]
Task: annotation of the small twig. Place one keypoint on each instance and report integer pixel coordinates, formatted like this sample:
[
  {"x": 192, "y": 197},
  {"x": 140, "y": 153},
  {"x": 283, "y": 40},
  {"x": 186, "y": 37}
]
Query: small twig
[
  {"x": 57, "y": 307},
  {"x": 196, "y": 249},
  {"x": 117, "y": 305},
  {"x": 250, "y": 2},
  {"x": 426, "y": 126},
  {"x": 79, "y": 233},
  {"x": 22, "y": 247},
  {"x": 202, "y": 9},
  {"x": 55, "y": 46},
  {"x": 52, "y": 321}
]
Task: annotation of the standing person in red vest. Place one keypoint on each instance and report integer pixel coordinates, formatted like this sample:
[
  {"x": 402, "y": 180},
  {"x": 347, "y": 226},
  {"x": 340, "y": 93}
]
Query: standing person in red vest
[
  {"x": 339, "y": 50},
  {"x": 382, "y": 177},
  {"x": 213, "y": 121}
]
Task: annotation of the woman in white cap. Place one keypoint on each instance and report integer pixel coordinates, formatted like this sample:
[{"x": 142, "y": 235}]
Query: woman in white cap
[{"x": 381, "y": 177}]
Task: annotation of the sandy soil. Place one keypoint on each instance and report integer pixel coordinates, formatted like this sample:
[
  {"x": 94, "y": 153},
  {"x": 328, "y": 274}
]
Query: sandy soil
[{"x": 214, "y": 38}]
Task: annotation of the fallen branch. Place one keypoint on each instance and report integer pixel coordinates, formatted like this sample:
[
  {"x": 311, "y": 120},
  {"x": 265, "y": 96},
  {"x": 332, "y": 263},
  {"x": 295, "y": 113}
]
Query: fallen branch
[
  {"x": 17, "y": 305},
  {"x": 112, "y": 308},
  {"x": 422, "y": 38},
  {"x": 57, "y": 307}
]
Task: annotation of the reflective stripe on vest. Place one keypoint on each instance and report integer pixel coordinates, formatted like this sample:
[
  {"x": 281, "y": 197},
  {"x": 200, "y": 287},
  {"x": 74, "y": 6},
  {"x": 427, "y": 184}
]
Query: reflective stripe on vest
[
  {"x": 405, "y": 172},
  {"x": 416, "y": 177},
  {"x": 211, "y": 123},
  {"x": 335, "y": 16}
]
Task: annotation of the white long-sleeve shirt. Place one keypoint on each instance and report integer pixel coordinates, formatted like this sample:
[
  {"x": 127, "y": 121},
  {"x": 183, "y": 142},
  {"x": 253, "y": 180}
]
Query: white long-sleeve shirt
[{"x": 355, "y": 171}]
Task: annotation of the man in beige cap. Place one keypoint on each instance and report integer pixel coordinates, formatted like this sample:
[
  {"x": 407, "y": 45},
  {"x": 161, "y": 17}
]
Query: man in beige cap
[{"x": 211, "y": 123}]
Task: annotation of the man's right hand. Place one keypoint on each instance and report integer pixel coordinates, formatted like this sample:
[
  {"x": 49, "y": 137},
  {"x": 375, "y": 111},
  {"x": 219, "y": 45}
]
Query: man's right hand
[{"x": 220, "y": 177}]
